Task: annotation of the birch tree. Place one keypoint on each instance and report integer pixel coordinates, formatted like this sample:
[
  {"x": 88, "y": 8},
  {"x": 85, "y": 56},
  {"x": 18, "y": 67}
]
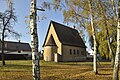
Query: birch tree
[
  {"x": 34, "y": 41},
  {"x": 116, "y": 65},
  {"x": 94, "y": 38},
  {"x": 108, "y": 29}
]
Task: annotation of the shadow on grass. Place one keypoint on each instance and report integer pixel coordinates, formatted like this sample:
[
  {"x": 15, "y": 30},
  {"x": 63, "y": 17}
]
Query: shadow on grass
[
  {"x": 104, "y": 74},
  {"x": 76, "y": 63},
  {"x": 15, "y": 68},
  {"x": 50, "y": 78},
  {"x": 16, "y": 65}
]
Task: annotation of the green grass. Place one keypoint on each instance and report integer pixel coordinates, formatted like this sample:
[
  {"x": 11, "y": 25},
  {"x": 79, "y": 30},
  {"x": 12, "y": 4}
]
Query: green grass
[
  {"x": 16, "y": 70},
  {"x": 22, "y": 70},
  {"x": 74, "y": 71}
]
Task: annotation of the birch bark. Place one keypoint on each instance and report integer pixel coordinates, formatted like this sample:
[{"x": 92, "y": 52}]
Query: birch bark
[
  {"x": 94, "y": 39},
  {"x": 34, "y": 41},
  {"x": 116, "y": 65}
]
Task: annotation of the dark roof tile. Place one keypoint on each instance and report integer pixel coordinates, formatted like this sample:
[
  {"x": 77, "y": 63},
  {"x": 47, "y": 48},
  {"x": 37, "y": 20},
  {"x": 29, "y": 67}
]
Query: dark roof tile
[
  {"x": 16, "y": 46},
  {"x": 67, "y": 35}
]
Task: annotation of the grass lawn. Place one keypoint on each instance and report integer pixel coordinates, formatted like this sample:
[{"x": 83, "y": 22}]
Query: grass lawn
[
  {"x": 16, "y": 70},
  {"x": 74, "y": 71},
  {"x": 22, "y": 70}
]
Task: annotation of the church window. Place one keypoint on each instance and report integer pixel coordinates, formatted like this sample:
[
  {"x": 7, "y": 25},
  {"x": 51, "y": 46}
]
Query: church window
[
  {"x": 74, "y": 51},
  {"x": 77, "y": 51},
  {"x": 70, "y": 51}
]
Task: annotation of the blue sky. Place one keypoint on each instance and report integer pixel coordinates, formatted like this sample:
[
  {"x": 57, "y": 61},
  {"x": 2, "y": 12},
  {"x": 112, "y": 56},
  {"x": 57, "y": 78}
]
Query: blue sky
[{"x": 22, "y": 9}]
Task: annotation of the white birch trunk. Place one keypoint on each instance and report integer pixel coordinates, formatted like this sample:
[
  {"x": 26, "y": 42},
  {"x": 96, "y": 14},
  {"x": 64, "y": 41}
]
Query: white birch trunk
[
  {"x": 34, "y": 41},
  {"x": 94, "y": 39},
  {"x": 95, "y": 50},
  {"x": 116, "y": 65},
  {"x": 109, "y": 46}
]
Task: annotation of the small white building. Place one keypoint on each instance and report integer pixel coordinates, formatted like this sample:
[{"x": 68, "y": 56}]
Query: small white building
[{"x": 17, "y": 50}]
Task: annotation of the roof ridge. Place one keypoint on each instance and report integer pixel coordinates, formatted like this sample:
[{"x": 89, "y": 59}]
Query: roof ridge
[
  {"x": 17, "y": 42},
  {"x": 62, "y": 24}
]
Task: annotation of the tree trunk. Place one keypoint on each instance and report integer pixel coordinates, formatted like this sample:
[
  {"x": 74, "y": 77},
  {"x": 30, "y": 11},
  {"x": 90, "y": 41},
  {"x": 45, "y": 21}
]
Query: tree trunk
[
  {"x": 109, "y": 46},
  {"x": 112, "y": 60},
  {"x": 34, "y": 41},
  {"x": 2, "y": 43},
  {"x": 2, "y": 55},
  {"x": 94, "y": 39},
  {"x": 116, "y": 65},
  {"x": 5, "y": 23},
  {"x": 108, "y": 37},
  {"x": 95, "y": 50},
  {"x": 112, "y": 54}
]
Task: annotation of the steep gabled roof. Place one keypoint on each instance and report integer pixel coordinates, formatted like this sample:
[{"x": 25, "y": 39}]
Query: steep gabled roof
[
  {"x": 16, "y": 46},
  {"x": 66, "y": 35}
]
